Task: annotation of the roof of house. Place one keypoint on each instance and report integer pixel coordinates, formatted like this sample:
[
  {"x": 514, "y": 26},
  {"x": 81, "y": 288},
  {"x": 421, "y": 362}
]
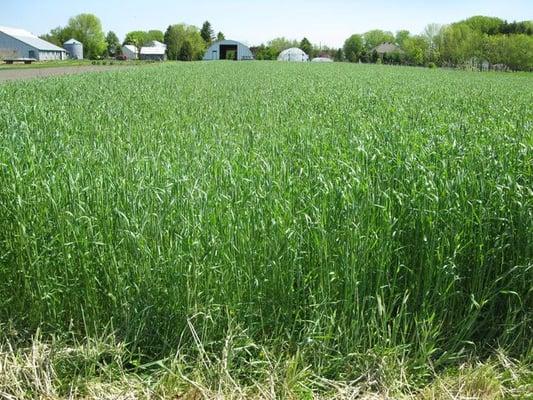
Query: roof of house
[
  {"x": 155, "y": 43},
  {"x": 30, "y": 39},
  {"x": 386, "y": 48}
]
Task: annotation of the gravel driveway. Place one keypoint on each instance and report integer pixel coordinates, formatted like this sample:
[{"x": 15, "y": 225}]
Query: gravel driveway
[{"x": 29, "y": 73}]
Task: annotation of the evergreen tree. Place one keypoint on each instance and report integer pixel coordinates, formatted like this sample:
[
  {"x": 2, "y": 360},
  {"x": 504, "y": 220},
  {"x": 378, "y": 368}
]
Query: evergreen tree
[
  {"x": 339, "y": 55},
  {"x": 306, "y": 47},
  {"x": 207, "y": 32},
  {"x": 113, "y": 44},
  {"x": 185, "y": 51}
]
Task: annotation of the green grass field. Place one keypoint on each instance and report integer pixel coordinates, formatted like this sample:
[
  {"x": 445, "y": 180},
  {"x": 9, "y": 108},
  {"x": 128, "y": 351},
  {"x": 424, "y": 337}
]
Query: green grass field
[{"x": 337, "y": 223}]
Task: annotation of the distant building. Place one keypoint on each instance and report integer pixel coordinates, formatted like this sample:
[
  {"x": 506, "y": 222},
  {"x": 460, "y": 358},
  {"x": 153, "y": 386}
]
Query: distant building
[
  {"x": 154, "y": 51},
  {"x": 130, "y": 52},
  {"x": 74, "y": 49},
  {"x": 387, "y": 48},
  {"x": 18, "y": 43},
  {"x": 228, "y": 50},
  {"x": 294, "y": 55}
]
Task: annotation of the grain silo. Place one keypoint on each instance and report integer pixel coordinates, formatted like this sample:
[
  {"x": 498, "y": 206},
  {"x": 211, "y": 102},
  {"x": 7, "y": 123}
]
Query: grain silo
[{"x": 74, "y": 48}]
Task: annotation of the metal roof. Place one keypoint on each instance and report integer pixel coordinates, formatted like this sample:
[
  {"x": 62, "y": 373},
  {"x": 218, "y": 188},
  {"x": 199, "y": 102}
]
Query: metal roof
[
  {"x": 30, "y": 39},
  {"x": 154, "y": 47},
  {"x": 153, "y": 50},
  {"x": 72, "y": 41},
  {"x": 130, "y": 47},
  {"x": 155, "y": 43}
]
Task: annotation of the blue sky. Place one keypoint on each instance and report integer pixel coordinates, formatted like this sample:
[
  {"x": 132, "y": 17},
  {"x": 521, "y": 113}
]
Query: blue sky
[{"x": 255, "y": 21}]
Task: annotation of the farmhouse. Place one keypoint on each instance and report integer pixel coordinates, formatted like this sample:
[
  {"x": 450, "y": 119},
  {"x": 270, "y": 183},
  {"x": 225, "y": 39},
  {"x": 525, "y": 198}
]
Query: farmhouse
[
  {"x": 154, "y": 51},
  {"x": 293, "y": 54},
  {"x": 18, "y": 43},
  {"x": 228, "y": 50},
  {"x": 387, "y": 48}
]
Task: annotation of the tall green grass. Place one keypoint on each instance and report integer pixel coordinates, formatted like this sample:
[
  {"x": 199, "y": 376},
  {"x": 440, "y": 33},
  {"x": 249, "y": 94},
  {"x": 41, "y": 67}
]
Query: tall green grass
[{"x": 340, "y": 213}]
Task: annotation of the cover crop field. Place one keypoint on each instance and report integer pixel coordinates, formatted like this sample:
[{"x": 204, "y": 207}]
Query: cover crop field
[{"x": 237, "y": 221}]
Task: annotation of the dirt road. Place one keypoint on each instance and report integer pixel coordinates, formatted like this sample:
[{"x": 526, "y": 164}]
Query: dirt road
[{"x": 29, "y": 73}]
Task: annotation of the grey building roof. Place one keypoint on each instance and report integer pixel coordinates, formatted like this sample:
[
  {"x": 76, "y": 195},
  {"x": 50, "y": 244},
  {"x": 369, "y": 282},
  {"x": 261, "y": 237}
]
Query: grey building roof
[
  {"x": 384, "y": 48},
  {"x": 30, "y": 39},
  {"x": 72, "y": 41}
]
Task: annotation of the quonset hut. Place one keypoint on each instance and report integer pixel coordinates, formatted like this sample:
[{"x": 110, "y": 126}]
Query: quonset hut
[
  {"x": 74, "y": 48},
  {"x": 293, "y": 54},
  {"x": 228, "y": 50}
]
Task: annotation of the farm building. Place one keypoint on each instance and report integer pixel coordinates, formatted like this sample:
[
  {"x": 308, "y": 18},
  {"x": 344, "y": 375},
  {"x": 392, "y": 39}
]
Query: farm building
[
  {"x": 387, "y": 48},
  {"x": 154, "y": 51},
  {"x": 74, "y": 49},
  {"x": 321, "y": 59},
  {"x": 228, "y": 50},
  {"x": 293, "y": 54},
  {"x": 18, "y": 43},
  {"x": 130, "y": 51}
]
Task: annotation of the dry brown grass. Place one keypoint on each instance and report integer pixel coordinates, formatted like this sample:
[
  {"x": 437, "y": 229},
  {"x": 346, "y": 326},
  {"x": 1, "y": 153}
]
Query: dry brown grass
[{"x": 51, "y": 371}]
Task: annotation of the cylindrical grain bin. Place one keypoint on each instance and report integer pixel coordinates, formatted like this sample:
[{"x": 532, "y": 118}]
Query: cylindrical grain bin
[{"x": 74, "y": 48}]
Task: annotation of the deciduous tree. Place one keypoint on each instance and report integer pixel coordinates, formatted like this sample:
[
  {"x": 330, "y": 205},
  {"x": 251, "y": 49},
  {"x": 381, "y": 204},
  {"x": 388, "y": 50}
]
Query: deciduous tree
[
  {"x": 353, "y": 48},
  {"x": 87, "y": 29}
]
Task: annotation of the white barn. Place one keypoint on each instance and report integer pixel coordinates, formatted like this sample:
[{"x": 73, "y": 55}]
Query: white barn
[
  {"x": 130, "y": 51},
  {"x": 18, "y": 43},
  {"x": 154, "y": 50}
]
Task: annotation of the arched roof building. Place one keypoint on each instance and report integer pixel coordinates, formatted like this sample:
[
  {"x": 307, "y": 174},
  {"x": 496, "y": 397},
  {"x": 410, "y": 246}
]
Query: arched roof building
[
  {"x": 228, "y": 50},
  {"x": 293, "y": 54}
]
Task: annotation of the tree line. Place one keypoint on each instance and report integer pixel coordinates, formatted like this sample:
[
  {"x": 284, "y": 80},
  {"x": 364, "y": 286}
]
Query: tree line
[
  {"x": 473, "y": 42},
  {"x": 470, "y": 43}
]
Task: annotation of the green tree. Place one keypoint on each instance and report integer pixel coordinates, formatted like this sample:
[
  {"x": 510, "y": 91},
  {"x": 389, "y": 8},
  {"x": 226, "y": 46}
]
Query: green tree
[
  {"x": 353, "y": 47},
  {"x": 307, "y": 47},
  {"x": 263, "y": 52},
  {"x": 175, "y": 38},
  {"x": 488, "y": 25},
  {"x": 113, "y": 44},
  {"x": 155, "y": 34},
  {"x": 136, "y": 38},
  {"x": 186, "y": 51},
  {"x": 401, "y": 37},
  {"x": 220, "y": 36},
  {"x": 171, "y": 39},
  {"x": 277, "y": 45},
  {"x": 459, "y": 43},
  {"x": 339, "y": 56},
  {"x": 416, "y": 49},
  {"x": 87, "y": 29},
  {"x": 207, "y": 33},
  {"x": 376, "y": 37},
  {"x": 58, "y": 36}
]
